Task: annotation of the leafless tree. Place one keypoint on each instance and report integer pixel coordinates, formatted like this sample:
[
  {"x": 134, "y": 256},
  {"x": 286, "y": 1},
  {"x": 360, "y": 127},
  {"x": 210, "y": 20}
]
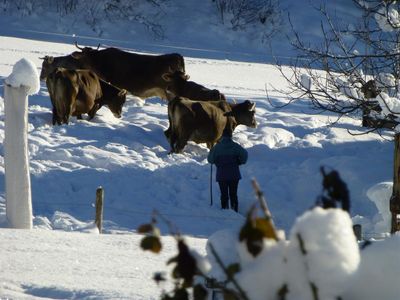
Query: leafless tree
[
  {"x": 354, "y": 68},
  {"x": 351, "y": 66},
  {"x": 238, "y": 14}
]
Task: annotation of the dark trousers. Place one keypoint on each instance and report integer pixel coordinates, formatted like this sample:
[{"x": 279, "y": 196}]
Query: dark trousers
[{"x": 229, "y": 191}]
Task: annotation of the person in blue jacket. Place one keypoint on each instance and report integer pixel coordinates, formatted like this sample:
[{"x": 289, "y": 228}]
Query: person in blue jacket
[{"x": 227, "y": 156}]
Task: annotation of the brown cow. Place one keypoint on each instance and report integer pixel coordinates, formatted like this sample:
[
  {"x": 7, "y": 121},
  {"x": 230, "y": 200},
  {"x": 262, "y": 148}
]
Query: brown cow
[
  {"x": 141, "y": 75},
  {"x": 180, "y": 86},
  {"x": 204, "y": 122},
  {"x": 51, "y": 63},
  {"x": 75, "y": 92}
]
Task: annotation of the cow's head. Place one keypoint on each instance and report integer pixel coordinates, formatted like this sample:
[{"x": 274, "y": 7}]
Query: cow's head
[
  {"x": 48, "y": 66},
  {"x": 83, "y": 55},
  {"x": 175, "y": 81},
  {"x": 51, "y": 63},
  {"x": 244, "y": 113},
  {"x": 116, "y": 105},
  {"x": 86, "y": 49}
]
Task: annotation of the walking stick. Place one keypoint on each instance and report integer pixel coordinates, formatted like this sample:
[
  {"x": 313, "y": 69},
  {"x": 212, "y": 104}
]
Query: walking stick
[{"x": 211, "y": 194}]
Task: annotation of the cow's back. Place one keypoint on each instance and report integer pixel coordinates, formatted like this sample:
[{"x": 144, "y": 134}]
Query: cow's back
[
  {"x": 202, "y": 122},
  {"x": 89, "y": 84},
  {"x": 195, "y": 91},
  {"x": 140, "y": 74},
  {"x": 121, "y": 62},
  {"x": 50, "y": 64}
]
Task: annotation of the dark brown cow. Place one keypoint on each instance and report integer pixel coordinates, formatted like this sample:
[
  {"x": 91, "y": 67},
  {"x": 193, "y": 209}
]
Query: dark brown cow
[
  {"x": 51, "y": 63},
  {"x": 141, "y": 75},
  {"x": 204, "y": 122},
  {"x": 180, "y": 86},
  {"x": 75, "y": 92}
]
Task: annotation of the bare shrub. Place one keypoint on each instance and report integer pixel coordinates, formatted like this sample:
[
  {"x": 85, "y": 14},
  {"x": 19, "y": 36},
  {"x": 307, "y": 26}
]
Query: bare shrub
[{"x": 239, "y": 14}]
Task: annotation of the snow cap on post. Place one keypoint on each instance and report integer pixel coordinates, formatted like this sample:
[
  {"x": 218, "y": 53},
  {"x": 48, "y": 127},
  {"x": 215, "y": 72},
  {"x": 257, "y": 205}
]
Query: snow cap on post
[{"x": 24, "y": 73}]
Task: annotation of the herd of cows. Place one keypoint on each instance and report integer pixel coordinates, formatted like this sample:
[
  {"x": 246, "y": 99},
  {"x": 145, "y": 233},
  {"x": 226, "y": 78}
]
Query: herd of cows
[{"x": 85, "y": 80}]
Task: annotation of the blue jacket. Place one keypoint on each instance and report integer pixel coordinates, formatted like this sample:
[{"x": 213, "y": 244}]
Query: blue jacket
[{"x": 227, "y": 156}]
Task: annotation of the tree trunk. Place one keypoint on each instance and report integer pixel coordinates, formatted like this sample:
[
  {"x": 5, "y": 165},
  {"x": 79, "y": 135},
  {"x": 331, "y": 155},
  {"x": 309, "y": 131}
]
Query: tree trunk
[{"x": 395, "y": 199}]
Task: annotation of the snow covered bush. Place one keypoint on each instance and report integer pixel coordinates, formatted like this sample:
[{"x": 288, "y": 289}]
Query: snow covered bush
[
  {"x": 239, "y": 14},
  {"x": 320, "y": 260},
  {"x": 388, "y": 17},
  {"x": 321, "y": 242},
  {"x": 95, "y": 12}
]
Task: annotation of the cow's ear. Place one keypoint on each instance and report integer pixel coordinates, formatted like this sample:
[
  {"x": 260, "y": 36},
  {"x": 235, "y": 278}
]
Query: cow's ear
[
  {"x": 167, "y": 76},
  {"x": 76, "y": 55},
  {"x": 250, "y": 105},
  {"x": 122, "y": 93},
  {"x": 49, "y": 59}
]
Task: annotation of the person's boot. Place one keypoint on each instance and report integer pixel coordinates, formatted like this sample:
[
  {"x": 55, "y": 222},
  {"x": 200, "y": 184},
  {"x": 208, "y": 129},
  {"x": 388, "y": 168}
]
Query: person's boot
[
  {"x": 234, "y": 203},
  {"x": 235, "y": 206},
  {"x": 224, "y": 203}
]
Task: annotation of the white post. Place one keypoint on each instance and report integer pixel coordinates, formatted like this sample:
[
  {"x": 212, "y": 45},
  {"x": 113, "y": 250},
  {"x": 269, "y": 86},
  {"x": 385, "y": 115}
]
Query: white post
[
  {"x": 23, "y": 80},
  {"x": 18, "y": 185}
]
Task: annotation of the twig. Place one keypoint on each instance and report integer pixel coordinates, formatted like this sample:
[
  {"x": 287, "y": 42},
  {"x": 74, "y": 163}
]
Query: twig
[
  {"x": 231, "y": 278},
  {"x": 173, "y": 229},
  {"x": 313, "y": 287},
  {"x": 264, "y": 207}
]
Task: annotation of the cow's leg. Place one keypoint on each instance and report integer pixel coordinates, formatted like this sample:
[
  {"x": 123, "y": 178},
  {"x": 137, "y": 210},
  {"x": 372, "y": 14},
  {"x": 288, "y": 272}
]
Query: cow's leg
[
  {"x": 55, "y": 116},
  {"x": 67, "y": 114},
  {"x": 94, "y": 110},
  {"x": 177, "y": 142},
  {"x": 181, "y": 142},
  {"x": 172, "y": 141},
  {"x": 167, "y": 134}
]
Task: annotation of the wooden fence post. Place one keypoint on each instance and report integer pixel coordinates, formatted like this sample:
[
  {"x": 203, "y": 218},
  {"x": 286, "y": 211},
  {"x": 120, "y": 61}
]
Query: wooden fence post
[
  {"x": 357, "y": 228},
  {"x": 99, "y": 208},
  {"x": 395, "y": 199}
]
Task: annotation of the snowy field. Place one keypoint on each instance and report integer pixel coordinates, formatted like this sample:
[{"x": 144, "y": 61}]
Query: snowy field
[
  {"x": 129, "y": 158},
  {"x": 63, "y": 257}
]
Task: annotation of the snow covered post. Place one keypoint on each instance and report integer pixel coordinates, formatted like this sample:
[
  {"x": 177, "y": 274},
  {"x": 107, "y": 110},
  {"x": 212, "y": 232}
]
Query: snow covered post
[{"x": 23, "y": 81}]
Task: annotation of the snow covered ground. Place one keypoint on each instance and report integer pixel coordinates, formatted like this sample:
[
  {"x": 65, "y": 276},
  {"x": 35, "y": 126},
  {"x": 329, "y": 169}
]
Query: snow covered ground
[{"x": 129, "y": 158}]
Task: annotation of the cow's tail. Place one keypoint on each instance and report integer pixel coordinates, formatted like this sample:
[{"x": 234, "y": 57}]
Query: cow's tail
[{"x": 66, "y": 93}]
